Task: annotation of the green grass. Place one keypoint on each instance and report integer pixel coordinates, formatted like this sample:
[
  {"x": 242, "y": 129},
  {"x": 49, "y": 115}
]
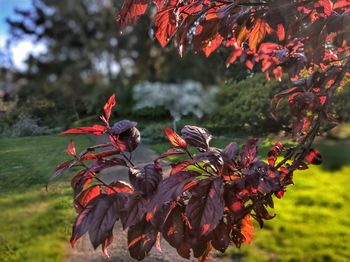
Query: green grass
[
  {"x": 312, "y": 221},
  {"x": 34, "y": 224}
]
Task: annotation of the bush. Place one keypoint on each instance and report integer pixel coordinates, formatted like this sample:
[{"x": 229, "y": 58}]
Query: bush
[
  {"x": 246, "y": 104},
  {"x": 340, "y": 102},
  {"x": 24, "y": 126},
  {"x": 151, "y": 113},
  {"x": 154, "y": 133}
]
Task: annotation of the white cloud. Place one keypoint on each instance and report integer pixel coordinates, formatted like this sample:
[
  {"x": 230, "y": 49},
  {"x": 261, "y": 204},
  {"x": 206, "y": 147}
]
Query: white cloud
[{"x": 23, "y": 49}]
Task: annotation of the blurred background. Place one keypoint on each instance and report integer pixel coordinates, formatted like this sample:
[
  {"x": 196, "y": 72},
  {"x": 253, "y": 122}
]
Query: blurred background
[{"x": 61, "y": 60}]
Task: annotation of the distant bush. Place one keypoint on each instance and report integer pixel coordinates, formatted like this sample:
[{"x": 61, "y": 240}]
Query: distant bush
[
  {"x": 341, "y": 104},
  {"x": 179, "y": 99},
  {"x": 151, "y": 113},
  {"x": 24, "y": 126},
  {"x": 246, "y": 105},
  {"x": 154, "y": 133}
]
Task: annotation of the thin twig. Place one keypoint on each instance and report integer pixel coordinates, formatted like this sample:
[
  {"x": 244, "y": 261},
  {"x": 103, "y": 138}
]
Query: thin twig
[
  {"x": 96, "y": 177},
  {"x": 197, "y": 165}
]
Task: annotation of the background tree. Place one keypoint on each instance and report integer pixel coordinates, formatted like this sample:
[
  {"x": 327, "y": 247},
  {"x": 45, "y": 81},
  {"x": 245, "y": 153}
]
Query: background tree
[
  {"x": 244, "y": 105},
  {"x": 88, "y": 57}
]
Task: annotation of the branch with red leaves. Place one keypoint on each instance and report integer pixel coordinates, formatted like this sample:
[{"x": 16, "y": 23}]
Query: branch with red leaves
[
  {"x": 206, "y": 201},
  {"x": 281, "y": 35}
]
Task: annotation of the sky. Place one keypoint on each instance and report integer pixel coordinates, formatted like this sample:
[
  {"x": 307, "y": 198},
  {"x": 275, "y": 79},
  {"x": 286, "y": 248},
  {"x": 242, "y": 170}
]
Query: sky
[{"x": 20, "y": 51}]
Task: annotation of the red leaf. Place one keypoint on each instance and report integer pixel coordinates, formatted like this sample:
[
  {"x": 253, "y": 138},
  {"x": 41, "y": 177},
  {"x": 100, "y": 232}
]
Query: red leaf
[
  {"x": 206, "y": 206},
  {"x": 70, "y": 150},
  {"x": 169, "y": 189},
  {"x": 165, "y": 23},
  {"x": 133, "y": 211},
  {"x": 234, "y": 55},
  {"x": 95, "y": 129},
  {"x": 279, "y": 194},
  {"x": 242, "y": 36},
  {"x": 205, "y": 256},
  {"x": 314, "y": 157},
  {"x": 131, "y": 12},
  {"x": 100, "y": 155},
  {"x": 98, "y": 217},
  {"x": 190, "y": 185},
  {"x": 159, "y": 3},
  {"x": 174, "y": 138},
  {"x": 341, "y": 4},
  {"x": 213, "y": 45},
  {"x": 106, "y": 243},
  {"x": 326, "y": 5},
  {"x": 174, "y": 227},
  {"x": 86, "y": 196},
  {"x": 281, "y": 34},
  {"x": 146, "y": 180},
  {"x": 81, "y": 180},
  {"x": 60, "y": 168},
  {"x": 175, "y": 168},
  {"x": 247, "y": 229},
  {"x": 278, "y": 73},
  {"x": 274, "y": 152},
  {"x": 118, "y": 186},
  {"x": 125, "y": 135},
  {"x": 221, "y": 238},
  {"x": 108, "y": 106},
  {"x": 141, "y": 238},
  {"x": 257, "y": 34},
  {"x": 249, "y": 64},
  {"x": 277, "y": 99}
]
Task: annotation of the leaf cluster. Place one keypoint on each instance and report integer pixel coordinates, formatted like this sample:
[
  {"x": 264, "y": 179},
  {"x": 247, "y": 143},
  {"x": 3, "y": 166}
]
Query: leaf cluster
[{"x": 207, "y": 200}]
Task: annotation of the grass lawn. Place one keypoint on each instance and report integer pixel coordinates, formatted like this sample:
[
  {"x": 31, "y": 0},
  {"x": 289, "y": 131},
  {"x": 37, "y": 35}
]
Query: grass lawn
[
  {"x": 35, "y": 225},
  {"x": 312, "y": 222},
  {"x": 313, "y": 219}
]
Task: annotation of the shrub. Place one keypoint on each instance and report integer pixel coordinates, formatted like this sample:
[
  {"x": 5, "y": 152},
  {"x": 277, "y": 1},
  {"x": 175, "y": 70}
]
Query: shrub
[
  {"x": 25, "y": 125},
  {"x": 341, "y": 104},
  {"x": 153, "y": 133},
  {"x": 189, "y": 97},
  {"x": 246, "y": 104}
]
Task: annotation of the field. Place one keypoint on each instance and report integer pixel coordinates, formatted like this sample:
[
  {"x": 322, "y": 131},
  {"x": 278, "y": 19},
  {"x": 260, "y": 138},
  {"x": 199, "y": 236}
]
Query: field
[
  {"x": 35, "y": 225},
  {"x": 312, "y": 221}
]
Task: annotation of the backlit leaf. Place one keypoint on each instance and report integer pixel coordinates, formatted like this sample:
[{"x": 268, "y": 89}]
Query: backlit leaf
[
  {"x": 95, "y": 129},
  {"x": 174, "y": 138},
  {"x": 109, "y": 105},
  {"x": 131, "y": 11},
  {"x": 257, "y": 34}
]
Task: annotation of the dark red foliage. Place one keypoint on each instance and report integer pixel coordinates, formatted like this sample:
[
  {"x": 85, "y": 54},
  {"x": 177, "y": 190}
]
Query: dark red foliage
[
  {"x": 204, "y": 202},
  {"x": 298, "y": 37},
  {"x": 210, "y": 199}
]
